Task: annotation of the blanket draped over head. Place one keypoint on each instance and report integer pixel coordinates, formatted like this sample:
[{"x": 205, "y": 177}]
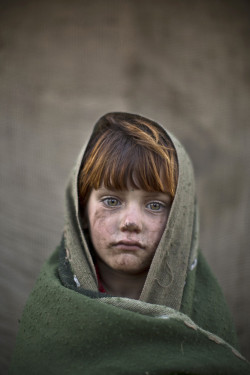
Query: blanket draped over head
[{"x": 179, "y": 325}]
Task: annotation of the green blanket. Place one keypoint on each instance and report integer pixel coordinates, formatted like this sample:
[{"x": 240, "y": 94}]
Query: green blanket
[
  {"x": 65, "y": 332},
  {"x": 179, "y": 325}
]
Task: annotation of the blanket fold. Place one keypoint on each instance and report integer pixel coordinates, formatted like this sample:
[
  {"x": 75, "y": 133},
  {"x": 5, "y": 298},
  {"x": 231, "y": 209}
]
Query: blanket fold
[
  {"x": 79, "y": 334},
  {"x": 180, "y": 324}
]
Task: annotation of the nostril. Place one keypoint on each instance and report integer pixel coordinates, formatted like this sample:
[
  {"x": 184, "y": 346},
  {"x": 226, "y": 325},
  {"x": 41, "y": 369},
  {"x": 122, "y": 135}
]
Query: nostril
[{"x": 130, "y": 226}]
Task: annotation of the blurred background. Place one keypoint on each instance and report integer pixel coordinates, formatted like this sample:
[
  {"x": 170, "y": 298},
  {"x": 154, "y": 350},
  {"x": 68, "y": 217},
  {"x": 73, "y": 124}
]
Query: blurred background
[{"x": 63, "y": 64}]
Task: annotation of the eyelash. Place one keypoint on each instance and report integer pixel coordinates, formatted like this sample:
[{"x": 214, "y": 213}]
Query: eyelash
[
  {"x": 160, "y": 205},
  {"x": 107, "y": 200}
]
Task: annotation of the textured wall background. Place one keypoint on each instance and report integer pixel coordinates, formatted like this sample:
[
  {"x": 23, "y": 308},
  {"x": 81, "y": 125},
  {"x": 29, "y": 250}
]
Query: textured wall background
[{"x": 65, "y": 63}]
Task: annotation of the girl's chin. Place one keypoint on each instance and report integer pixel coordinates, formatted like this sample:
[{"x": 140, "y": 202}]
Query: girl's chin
[{"x": 128, "y": 265}]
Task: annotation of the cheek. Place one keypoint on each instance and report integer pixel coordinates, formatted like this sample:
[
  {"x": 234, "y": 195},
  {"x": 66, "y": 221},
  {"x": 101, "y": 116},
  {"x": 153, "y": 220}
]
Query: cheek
[
  {"x": 101, "y": 224},
  {"x": 156, "y": 229}
]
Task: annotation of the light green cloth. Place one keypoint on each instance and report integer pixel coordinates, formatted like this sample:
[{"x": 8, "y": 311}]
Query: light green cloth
[{"x": 180, "y": 324}]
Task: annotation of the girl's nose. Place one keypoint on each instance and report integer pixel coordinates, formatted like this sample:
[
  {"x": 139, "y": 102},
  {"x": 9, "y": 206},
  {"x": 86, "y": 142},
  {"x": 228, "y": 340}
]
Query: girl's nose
[{"x": 131, "y": 220}]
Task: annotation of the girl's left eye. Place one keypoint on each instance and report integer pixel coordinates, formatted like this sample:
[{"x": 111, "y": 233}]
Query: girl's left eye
[
  {"x": 111, "y": 202},
  {"x": 155, "y": 206}
]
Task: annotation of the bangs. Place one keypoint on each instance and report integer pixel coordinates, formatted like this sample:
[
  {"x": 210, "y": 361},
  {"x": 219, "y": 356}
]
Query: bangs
[
  {"x": 134, "y": 168},
  {"x": 129, "y": 155}
]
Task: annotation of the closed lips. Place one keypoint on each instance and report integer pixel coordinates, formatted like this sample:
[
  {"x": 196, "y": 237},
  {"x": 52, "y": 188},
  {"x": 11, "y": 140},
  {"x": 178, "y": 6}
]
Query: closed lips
[{"x": 128, "y": 244}]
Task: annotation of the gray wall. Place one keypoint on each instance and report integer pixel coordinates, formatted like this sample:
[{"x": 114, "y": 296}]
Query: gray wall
[{"x": 65, "y": 63}]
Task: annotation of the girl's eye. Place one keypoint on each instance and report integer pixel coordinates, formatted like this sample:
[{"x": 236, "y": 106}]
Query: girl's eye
[
  {"x": 155, "y": 206},
  {"x": 111, "y": 202}
]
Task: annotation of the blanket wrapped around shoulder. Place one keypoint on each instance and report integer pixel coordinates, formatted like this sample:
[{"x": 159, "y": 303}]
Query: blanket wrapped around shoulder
[
  {"x": 179, "y": 325},
  {"x": 66, "y": 332}
]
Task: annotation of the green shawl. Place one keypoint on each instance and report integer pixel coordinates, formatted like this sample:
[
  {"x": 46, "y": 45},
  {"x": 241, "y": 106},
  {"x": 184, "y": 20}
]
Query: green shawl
[{"x": 179, "y": 325}]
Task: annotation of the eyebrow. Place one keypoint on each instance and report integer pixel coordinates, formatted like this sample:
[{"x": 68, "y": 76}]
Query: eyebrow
[
  {"x": 148, "y": 194},
  {"x": 103, "y": 189},
  {"x": 158, "y": 195}
]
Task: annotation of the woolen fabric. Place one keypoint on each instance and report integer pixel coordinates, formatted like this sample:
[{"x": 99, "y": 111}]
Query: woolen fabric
[{"x": 179, "y": 325}]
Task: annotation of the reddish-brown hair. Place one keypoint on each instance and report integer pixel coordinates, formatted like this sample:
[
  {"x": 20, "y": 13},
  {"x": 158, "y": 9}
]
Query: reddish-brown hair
[{"x": 128, "y": 150}]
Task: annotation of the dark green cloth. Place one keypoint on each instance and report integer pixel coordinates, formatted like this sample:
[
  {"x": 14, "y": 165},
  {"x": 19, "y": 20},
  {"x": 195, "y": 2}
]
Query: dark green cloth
[
  {"x": 65, "y": 332},
  {"x": 179, "y": 325}
]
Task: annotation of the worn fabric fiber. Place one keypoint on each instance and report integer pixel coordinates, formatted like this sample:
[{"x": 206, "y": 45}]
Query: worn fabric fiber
[{"x": 179, "y": 325}]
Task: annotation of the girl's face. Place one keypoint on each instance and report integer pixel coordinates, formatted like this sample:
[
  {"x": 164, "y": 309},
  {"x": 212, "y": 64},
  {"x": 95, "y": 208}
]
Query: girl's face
[{"x": 126, "y": 227}]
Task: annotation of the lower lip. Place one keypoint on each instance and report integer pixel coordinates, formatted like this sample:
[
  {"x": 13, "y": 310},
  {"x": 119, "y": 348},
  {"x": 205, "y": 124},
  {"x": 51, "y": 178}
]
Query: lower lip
[{"x": 127, "y": 247}]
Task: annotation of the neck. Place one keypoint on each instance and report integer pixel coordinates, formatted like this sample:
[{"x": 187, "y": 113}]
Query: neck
[{"x": 121, "y": 284}]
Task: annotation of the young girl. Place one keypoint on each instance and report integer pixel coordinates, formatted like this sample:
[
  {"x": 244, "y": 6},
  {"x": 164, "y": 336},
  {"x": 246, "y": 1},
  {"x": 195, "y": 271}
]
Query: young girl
[{"x": 128, "y": 291}]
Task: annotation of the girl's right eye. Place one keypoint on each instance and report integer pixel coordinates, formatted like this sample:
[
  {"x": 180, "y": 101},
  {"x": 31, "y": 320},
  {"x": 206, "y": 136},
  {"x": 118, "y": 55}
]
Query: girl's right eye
[{"x": 111, "y": 202}]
